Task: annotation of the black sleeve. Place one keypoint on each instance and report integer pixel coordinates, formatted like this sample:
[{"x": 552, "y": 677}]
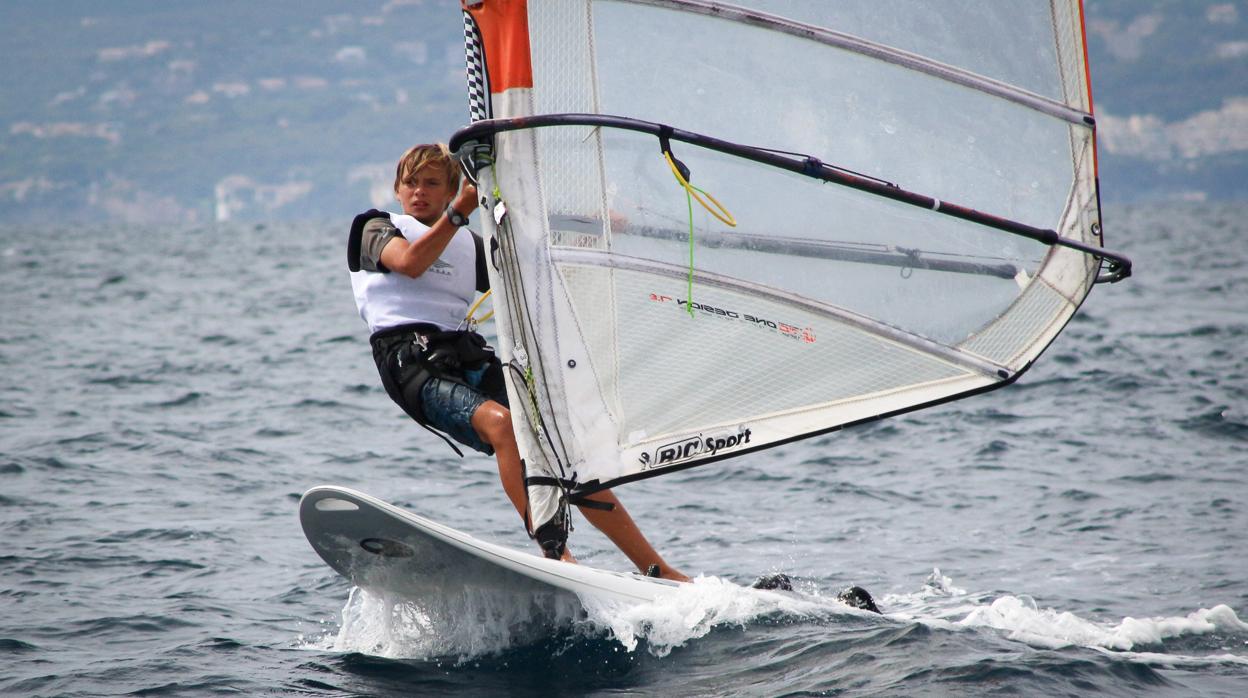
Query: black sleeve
[
  {"x": 483, "y": 275},
  {"x": 356, "y": 238}
]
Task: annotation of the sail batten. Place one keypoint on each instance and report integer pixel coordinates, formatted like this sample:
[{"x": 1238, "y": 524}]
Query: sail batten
[
  {"x": 591, "y": 258},
  {"x": 878, "y": 51},
  {"x": 911, "y": 222}
]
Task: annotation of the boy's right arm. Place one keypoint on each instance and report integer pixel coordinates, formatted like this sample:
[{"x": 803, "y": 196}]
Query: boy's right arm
[{"x": 414, "y": 257}]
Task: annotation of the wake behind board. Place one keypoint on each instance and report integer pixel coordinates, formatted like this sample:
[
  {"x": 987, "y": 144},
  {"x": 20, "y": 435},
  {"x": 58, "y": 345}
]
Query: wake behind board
[{"x": 385, "y": 549}]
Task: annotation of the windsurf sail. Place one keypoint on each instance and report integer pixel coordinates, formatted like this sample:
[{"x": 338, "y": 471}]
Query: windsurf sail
[{"x": 717, "y": 228}]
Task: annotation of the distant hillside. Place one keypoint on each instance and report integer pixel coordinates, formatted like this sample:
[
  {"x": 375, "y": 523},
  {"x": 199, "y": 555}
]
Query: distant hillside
[
  {"x": 130, "y": 110},
  {"x": 227, "y": 109},
  {"x": 1171, "y": 86}
]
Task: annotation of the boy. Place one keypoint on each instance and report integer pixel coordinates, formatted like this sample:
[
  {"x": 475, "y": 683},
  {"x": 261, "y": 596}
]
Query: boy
[{"x": 414, "y": 276}]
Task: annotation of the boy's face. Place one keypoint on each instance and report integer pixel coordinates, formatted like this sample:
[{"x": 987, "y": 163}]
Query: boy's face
[{"x": 426, "y": 194}]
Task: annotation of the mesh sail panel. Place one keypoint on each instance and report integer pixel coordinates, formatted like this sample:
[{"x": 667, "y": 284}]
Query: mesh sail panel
[
  {"x": 563, "y": 66},
  {"x": 1006, "y": 339}
]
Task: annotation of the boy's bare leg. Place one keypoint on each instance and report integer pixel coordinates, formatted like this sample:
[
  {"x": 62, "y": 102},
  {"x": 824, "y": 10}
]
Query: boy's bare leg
[
  {"x": 622, "y": 530},
  {"x": 492, "y": 423}
]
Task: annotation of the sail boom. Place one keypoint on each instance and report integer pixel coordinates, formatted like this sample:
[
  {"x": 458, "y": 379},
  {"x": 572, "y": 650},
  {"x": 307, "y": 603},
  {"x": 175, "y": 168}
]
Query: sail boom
[{"x": 465, "y": 141}]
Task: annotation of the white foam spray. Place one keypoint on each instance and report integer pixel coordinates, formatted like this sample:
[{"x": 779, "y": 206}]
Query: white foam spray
[
  {"x": 941, "y": 604},
  {"x": 697, "y": 608},
  {"x": 461, "y": 625},
  {"x": 455, "y": 625}
]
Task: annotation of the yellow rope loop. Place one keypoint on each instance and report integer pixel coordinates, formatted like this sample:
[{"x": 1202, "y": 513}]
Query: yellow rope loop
[
  {"x": 474, "y": 321},
  {"x": 718, "y": 210}
]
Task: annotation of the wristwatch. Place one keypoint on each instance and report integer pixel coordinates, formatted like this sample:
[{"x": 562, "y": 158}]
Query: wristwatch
[{"x": 456, "y": 218}]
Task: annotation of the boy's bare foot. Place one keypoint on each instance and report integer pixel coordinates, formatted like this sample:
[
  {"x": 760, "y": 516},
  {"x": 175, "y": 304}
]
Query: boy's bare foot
[
  {"x": 665, "y": 572},
  {"x": 676, "y": 576}
]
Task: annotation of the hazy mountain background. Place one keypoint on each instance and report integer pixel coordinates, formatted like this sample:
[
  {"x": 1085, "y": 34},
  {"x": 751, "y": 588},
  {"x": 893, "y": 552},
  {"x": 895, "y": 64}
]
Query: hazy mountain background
[{"x": 193, "y": 112}]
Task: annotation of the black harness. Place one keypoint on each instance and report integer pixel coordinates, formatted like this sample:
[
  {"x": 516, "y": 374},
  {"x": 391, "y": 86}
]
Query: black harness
[{"x": 410, "y": 356}]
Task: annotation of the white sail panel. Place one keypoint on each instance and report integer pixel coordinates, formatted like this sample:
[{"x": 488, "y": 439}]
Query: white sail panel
[
  {"x": 741, "y": 356},
  {"x": 833, "y": 299}
]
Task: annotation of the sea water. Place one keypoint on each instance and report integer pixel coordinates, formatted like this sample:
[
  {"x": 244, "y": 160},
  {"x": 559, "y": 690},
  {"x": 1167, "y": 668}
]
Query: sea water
[{"x": 167, "y": 395}]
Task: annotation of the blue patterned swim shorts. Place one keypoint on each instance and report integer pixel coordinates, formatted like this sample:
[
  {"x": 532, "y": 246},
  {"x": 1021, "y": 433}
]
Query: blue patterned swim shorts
[{"x": 449, "y": 406}]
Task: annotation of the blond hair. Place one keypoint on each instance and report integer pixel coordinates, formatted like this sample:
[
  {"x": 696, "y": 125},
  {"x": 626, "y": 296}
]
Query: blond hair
[{"x": 418, "y": 157}]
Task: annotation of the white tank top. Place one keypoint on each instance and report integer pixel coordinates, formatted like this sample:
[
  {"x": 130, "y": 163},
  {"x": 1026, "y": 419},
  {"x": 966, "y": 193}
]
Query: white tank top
[{"x": 440, "y": 296}]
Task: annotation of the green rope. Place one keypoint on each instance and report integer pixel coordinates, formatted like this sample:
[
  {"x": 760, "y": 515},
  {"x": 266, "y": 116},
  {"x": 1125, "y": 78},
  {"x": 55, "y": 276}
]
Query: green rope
[
  {"x": 689, "y": 290},
  {"x": 708, "y": 202}
]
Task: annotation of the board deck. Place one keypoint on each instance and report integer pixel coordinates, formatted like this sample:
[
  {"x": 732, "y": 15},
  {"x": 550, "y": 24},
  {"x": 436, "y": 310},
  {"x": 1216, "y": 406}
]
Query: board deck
[{"x": 385, "y": 549}]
